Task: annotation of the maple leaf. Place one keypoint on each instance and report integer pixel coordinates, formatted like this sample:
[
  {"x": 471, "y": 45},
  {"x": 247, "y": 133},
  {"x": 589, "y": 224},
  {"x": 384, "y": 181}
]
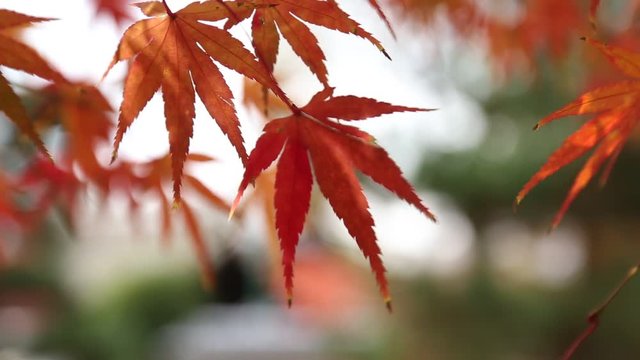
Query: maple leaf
[
  {"x": 19, "y": 56},
  {"x": 543, "y": 25},
  {"x": 11, "y": 211},
  {"x": 85, "y": 115},
  {"x": 157, "y": 173},
  {"x": 616, "y": 108},
  {"x": 256, "y": 95},
  {"x": 273, "y": 18},
  {"x": 465, "y": 15},
  {"x": 310, "y": 140},
  {"x": 49, "y": 185},
  {"x": 114, "y": 8},
  {"x": 173, "y": 52},
  {"x": 539, "y": 30},
  {"x": 83, "y": 112}
]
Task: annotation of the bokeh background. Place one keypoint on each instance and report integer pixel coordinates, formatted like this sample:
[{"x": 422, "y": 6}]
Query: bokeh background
[{"x": 482, "y": 283}]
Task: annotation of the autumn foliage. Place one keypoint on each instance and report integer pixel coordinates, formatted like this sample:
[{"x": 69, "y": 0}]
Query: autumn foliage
[{"x": 178, "y": 53}]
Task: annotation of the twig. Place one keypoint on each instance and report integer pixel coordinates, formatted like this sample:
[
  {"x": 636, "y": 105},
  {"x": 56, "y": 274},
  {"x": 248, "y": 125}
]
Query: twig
[{"x": 594, "y": 316}]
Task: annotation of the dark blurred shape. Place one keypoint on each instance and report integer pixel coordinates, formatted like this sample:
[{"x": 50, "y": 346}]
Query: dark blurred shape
[{"x": 231, "y": 280}]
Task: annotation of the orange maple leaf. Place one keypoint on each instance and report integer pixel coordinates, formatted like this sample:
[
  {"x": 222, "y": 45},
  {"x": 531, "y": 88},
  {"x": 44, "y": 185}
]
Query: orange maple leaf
[
  {"x": 309, "y": 139},
  {"x": 617, "y": 109},
  {"x": 157, "y": 173},
  {"x": 173, "y": 52},
  {"x": 273, "y": 18},
  {"x": 544, "y": 25},
  {"x": 19, "y": 56},
  {"x": 85, "y": 115}
]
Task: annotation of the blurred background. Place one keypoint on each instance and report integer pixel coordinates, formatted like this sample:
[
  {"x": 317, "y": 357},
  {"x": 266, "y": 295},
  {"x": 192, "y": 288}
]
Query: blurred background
[{"x": 93, "y": 270}]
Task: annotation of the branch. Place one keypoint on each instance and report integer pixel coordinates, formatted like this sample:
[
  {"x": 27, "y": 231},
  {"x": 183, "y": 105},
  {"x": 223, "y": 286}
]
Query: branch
[{"x": 594, "y": 316}]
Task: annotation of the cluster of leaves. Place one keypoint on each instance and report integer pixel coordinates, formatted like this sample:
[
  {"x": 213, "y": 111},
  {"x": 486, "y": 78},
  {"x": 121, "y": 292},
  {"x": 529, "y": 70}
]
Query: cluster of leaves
[
  {"x": 178, "y": 53},
  {"x": 616, "y": 110},
  {"x": 514, "y": 37},
  {"x": 532, "y": 31}
]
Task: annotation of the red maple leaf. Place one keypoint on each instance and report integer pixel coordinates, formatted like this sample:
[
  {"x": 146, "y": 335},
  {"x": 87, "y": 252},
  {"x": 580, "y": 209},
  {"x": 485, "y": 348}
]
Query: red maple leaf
[
  {"x": 117, "y": 9},
  {"x": 310, "y": 140},
  {"x": 617, "y": 110}
]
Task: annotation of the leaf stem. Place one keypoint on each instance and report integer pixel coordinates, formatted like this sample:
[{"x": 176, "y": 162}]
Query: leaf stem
[
  {"x": 275, "y": 87},
  {"x": 594, "y": 316},
  {"x": 166, "y": 7}
]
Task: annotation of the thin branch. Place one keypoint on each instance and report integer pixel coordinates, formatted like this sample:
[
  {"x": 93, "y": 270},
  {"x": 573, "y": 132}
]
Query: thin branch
[{"x": 594, "y": 316}]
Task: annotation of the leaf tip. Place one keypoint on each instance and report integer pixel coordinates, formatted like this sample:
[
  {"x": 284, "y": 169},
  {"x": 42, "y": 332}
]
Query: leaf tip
[
  {"x": 108, "y": 70},
  {"x": 384, "y": 52},
  {"x": 114, "y": 157},
  {"x": 388, "y": 305},
  {"x": 516, "y": 203},
  {"x": 289, "y": 301},
  {"x": 234, "y": 206},
  {"x": 431, "y": 217}
]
